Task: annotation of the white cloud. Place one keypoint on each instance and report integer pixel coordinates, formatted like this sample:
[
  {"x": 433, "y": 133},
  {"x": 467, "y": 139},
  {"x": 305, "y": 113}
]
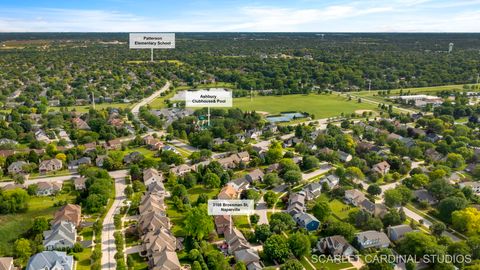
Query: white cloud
[{"x": 353, "y": 16}]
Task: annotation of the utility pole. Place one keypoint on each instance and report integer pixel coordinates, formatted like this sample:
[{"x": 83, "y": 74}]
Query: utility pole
[
  {"x": 251, "y": 92},
  {"x": 369, "y": 85},
  {"x": 93, "y": 100},
  {"x": 478, "y": 77},
  {"x": 208, "y": 116},
  {"x": 151, "y": 55}
]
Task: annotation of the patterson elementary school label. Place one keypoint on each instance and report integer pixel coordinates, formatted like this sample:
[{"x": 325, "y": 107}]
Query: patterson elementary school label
[
  {"x": 230, "y": 207},
  {"x": 204, "y": 98},
  {"x": 152, "y": 40}
]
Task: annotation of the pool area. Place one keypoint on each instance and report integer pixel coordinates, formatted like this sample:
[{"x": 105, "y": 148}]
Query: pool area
[{"x": 285, "y": 117}]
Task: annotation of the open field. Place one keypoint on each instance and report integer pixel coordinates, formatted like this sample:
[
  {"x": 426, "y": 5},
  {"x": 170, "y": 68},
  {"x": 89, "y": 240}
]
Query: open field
[
  {"x": 321, "y": 106},
  {"x": 159, "y": 102},
  {"x": 100, "y": 106},
  {"x": 15, "y": 225},
  {"x": 176, "y": 62}
]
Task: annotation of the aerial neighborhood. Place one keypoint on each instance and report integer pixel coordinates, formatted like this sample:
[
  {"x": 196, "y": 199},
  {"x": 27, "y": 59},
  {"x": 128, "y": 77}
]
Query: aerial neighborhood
[{"x": 104, "y": 167}]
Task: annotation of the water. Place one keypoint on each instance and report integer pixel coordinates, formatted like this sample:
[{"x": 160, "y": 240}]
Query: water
[{"x": 284, "y": 117}]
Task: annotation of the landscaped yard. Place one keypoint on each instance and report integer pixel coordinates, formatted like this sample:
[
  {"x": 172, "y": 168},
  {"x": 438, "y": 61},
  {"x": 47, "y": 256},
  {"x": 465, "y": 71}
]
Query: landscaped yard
[
  {"x": 321, "y": 106},
  {"x": 324, "y": 265},
  {"x": 176, "y": 217},
  {"x": 15, "y": 225},
  {"x": 241, "y": 222},
  {"x": 340, "y": 209},
  {"x": 140, "y": 263}
]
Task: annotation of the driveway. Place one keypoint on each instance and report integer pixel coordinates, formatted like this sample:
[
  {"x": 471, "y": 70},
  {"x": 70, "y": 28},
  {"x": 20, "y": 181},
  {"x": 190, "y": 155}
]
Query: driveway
[{"x": 108, "y": 241}]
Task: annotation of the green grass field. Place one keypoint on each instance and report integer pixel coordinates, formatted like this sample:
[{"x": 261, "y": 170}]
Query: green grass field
[
  {"x": 101, "y": 106},
  {"x": 324, "y": 265},
  {"x": 340, "y": 209},
  {"x": 322, "y": 106},
  {"x": 13, "y": 226},
  {"x": 176, "y": 217}
]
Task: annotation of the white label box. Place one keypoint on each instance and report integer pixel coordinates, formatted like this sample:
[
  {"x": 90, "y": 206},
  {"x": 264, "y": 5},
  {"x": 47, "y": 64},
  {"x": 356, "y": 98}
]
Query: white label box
[
  {"x": 205, "y": 98},
  {"x": 152, "y": 41},
  {"x": 230, "y": 207}
]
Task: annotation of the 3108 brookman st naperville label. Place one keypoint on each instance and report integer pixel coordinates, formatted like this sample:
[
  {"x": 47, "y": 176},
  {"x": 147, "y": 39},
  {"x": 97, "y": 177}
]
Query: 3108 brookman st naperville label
[{"x": 230, "y": 207}]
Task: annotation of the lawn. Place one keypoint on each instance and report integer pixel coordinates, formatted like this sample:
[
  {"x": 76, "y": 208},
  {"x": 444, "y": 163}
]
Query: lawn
[
  {"x": 159, "y": 102},
  {"x": 13, "y": 226},
  {"x": 176, "y": 217},
  {"x": 241, "y": 222},
  {"x": 324, "y": 265},
  {"x": 321, "y": 106},
  {"x": 340, "y": 209},
  {"x": 418, "y": 90},
  {"x": 101, "y": 106},
  {"x": 144, "y": 151},
  {"x": 140, "y": 263}
]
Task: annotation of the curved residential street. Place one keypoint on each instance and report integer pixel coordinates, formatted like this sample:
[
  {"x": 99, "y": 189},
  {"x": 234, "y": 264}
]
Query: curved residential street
[{"x": 108, "y": 241}]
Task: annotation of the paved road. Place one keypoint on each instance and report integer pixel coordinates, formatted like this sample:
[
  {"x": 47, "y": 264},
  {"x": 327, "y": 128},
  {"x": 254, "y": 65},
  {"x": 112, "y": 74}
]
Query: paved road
[
  {"x": 427, "y": 223},
  {"x": 108, "y": 241},
  {"x": 147, "y": 100},
  {"x": 367, "y": 100},
  {"x": 261, "y": 210},
  {"x": 324, "y": 167},
  {"x": 114, "y": 174}
]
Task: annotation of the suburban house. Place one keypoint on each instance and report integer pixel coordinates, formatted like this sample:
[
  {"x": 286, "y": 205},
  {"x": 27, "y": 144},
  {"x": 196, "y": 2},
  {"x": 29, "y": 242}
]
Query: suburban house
[
  {"x": 165, "y": 260},
  {"x": 375, "y": 209},
  {"x": 222, "y": 223},
  {"x": 228, "y": 192},
  {"x": 99, "y": 160},
  {"x": 70, "y": 212},
  {"x": 235, "y": 240},
  {"x": 48, "y": 188},
  {"x": 331, "y": 180},
  {"x": 306, "y": 221},
  {"x": 80, "y": 124},
  {"x": 372, "y": 239},
  {"x": 249, "y": 257},
  {"x": 133, "y": 157},
  {"x": 115, "y": 144},
  {"x": 423, "y": 195},
  {"x": 151, "y": 221},
  {"x": 475, "y": 186},
  {"x": 381, "y": 168},
  {"x": 150, "y": 176},
  {"x": 78, "y": 162},
  {"x": 344, "y": 157},
  {"x": 335, "y": 245},
  {"x": 255, "y": 175},
  {"x": 80, "y": 183},
  {"x": 296, "y": 204},
  {"x": 181, "y": 169},
  {"x": 152, "y": 143},
  {"x": 354, "y": 197},
  {"x": 62, "y": 235},
  {"x": 6, "y": 263},
  {"x": 396, "y": 233},
  {"x": 158, "y": 240},
  {"x": 16, "y": 167},
  {"x": 50, "y": 260},
  {"x": 312, "y": 190},
  {"x": 50, "y": 165}
]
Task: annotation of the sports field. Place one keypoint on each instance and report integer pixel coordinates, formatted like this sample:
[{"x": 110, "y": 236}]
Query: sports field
[{"x": 321, "y": 106}]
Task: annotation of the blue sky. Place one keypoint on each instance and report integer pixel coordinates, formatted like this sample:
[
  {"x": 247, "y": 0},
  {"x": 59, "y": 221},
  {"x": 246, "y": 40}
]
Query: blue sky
[{"x": 236, "y": 15}]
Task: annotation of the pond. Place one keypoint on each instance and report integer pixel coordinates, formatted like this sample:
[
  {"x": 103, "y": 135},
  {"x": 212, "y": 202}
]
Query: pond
[{"x": 285, "y": 117}]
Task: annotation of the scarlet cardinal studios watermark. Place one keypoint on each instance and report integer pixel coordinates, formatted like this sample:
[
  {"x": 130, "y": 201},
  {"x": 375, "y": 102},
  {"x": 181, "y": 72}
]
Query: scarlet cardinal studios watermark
[{"x": 393, "y": 259}]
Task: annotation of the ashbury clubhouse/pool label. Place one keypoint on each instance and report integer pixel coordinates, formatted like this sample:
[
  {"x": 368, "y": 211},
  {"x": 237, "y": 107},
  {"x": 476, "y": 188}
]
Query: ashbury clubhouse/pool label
[
  {"x": 230, "y": 207},
  {"x": 204, "y": 98}
]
